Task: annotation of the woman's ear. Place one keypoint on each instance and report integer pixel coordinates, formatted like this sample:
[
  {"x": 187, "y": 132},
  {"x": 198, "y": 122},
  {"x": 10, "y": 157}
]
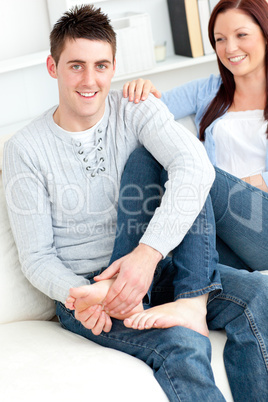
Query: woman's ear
[{"x": 51, "y": 67}]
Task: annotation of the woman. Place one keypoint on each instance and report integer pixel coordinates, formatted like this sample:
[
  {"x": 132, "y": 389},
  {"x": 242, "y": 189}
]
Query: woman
[{"x": 231, "y": 113}]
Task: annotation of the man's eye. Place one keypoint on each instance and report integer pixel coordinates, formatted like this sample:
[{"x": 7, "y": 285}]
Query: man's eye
[
  {"x": 76, "y": 67},
  {"x": 101, "y": 67}
]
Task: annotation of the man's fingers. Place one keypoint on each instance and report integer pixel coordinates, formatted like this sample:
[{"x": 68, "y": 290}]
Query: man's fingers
[
  {"x": 109, "y": 272},
  {"x": 114, "y": 292},
  {"x": 95, "y": 319},
  {"x": 99, "y": 325},
  {"x": 108, "y": 323},
  {"x": 69, "y": 303},
  {"x": 124, "y": 302},
  {"x": 90, "y": 316}
]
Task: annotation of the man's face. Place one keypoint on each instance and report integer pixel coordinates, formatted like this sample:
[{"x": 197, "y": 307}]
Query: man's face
[{"x": 84, "y": 73}]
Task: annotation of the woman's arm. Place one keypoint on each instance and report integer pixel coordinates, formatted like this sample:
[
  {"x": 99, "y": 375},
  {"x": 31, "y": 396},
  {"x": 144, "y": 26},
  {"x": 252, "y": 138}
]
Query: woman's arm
[{"x": 183, "y": 100}]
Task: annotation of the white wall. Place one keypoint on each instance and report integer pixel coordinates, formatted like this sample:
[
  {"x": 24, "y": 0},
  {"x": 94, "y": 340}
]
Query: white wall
[
  {"x": 24, "y": 29},
  {"x": 25, "y": 24}
]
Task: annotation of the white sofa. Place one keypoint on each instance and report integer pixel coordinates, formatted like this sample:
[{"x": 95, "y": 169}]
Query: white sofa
[{"x": 39, "y": 359}]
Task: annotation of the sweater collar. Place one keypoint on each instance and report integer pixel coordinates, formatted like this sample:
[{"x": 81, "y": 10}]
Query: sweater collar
[{"x": 101, "y": 128}]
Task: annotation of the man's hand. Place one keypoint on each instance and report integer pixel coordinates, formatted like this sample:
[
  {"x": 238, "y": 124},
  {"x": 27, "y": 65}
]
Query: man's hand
[
  {"x": 85, "y": 301},
  {"x": 95, "y": 319},
  {"x": 135, "y": 274}
]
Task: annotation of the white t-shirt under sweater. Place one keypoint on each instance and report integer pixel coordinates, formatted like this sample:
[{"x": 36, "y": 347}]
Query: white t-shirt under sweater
[
  {"x": 63, "y": 207},
  {"x": 241, "y": 143},
  {"x": 86, "y": 142}
]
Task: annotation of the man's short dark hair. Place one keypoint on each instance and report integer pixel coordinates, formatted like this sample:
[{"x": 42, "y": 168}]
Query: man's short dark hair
[{"x": 85, "y": 22}]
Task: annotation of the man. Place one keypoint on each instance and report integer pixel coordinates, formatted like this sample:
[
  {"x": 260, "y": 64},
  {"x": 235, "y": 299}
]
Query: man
[{"x": 62, "y": 175}]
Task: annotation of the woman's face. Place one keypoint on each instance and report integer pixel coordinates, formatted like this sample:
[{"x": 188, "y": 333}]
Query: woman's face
[{"x": 240, "y": 43}]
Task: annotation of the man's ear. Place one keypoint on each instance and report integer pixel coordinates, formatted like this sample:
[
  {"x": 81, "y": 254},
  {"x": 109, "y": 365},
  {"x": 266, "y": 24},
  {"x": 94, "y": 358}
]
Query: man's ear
[
  {"x": 51, "y": 67},
  {"x": 114, "y": 66}
]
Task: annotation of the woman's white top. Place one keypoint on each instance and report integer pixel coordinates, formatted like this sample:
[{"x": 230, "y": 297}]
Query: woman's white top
[{"x": 241, "y": 143}]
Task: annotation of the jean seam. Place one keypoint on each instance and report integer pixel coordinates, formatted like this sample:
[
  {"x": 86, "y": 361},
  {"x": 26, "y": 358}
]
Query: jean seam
[
  {"x": 207, "y": 289},
  {"x": 244, "y": 184},
  {"x": 258, "y": 336},
  {"x": 207, "y": 248},
  {"x": 171, "y": 383},
  {"x": 252, "y": 324}
]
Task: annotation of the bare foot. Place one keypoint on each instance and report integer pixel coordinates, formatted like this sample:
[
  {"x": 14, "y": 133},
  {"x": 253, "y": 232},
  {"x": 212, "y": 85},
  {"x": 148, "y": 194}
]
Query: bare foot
[
  {"x": 83, "y": 297},
  {"x": 189, "y": 313}
]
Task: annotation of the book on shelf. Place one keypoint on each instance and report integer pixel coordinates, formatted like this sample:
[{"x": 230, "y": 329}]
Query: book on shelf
[
  {"x": 204, "y": 14},
  {"x": 185, "y": 27}
]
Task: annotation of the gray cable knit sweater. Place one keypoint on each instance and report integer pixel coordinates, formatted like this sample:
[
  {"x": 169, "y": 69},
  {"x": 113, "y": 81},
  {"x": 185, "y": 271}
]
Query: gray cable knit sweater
[{"x": 62, "y": 194}]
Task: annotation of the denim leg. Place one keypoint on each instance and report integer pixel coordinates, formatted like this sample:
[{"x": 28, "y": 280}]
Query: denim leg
[
  {"x": 241, "y": 212},
  {"x": 179, "y": 357},
  {"x": 228, "y": 257},
  {"x": 140, "y": 194},
  {"x": 196, "y": 258},
  {"x": 241, "y": 309}
]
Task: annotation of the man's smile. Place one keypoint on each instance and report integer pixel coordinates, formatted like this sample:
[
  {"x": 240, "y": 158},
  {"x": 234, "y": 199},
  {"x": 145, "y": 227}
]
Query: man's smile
[{"x": 87, "y": 94}]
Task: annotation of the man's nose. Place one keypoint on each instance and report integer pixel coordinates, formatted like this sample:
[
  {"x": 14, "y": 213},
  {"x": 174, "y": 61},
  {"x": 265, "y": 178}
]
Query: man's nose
[{"x": 88, "y": 77}]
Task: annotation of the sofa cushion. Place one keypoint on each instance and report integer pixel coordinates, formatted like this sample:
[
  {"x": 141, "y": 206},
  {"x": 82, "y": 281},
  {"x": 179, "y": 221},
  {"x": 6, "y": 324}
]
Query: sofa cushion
[
  {"x": 42, "y": 360},
  {"x": 21, "y": 300}
]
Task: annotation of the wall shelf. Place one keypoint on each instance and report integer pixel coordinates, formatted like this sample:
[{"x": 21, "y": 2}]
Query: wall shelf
[
  {"x": 27, "y": 61},
  {"x": 171, "y": 63}
]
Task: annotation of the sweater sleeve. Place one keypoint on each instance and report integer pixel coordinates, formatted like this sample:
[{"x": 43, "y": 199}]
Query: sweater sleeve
[
  {"x": 190, "y": 174},
  {"x": 30, "y": 218}
]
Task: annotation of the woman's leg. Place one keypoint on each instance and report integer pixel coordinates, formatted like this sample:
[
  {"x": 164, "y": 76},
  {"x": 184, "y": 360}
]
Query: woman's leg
[
  {"x": 228, "y": 257},
  {"x": 195, "y": 258},
  {"x": 241, "y": 212},
  {"x": 242, "y": 311}
]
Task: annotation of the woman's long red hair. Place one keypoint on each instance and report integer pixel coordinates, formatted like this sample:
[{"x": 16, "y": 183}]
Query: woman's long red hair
[{"x": 258, "y": 10}]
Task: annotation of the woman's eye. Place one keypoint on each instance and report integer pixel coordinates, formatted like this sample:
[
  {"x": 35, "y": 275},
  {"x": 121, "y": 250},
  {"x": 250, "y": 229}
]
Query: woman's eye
[
  {"x": 241, "y": 35},
  {"x": 219, "y": 39}
]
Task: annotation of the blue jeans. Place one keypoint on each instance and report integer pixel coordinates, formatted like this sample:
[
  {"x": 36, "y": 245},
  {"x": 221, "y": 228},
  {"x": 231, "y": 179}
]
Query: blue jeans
[
  {"x": 241, "y": 212},
  {"x": 179, "y": 357},
  {"x": 195, "y": 259}
]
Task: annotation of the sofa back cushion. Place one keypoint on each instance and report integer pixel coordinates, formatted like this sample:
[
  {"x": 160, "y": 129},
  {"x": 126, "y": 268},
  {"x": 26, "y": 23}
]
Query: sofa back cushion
[{"x": 21, "y": 301}]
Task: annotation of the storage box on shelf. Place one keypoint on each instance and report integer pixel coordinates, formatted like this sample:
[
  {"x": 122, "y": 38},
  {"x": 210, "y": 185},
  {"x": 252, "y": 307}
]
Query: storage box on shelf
[{"x": 135, "y": 49}]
